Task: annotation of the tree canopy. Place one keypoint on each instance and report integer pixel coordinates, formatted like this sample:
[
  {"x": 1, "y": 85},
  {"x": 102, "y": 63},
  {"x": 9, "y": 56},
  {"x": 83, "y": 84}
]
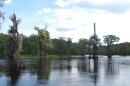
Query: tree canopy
[
  {"x": 44, "y": 40},
  {"x": 110, "y": 40}
]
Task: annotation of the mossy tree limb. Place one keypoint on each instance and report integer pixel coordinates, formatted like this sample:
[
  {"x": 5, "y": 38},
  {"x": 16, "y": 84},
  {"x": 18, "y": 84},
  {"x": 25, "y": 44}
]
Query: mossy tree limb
[
  {"x": 15, "y": 42},
  {"x": 44, "y": 41}
]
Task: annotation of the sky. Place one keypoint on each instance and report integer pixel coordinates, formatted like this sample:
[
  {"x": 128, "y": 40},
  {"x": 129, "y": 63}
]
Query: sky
[{"x": 71, "y": 18}]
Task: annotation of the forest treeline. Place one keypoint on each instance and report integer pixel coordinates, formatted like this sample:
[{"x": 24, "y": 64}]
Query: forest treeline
[{"x": 61, "y": 46}]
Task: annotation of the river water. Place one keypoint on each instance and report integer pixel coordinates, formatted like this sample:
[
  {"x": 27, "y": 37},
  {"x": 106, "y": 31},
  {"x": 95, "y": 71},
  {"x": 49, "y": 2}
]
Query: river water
[{"x": 113, "y": 71}]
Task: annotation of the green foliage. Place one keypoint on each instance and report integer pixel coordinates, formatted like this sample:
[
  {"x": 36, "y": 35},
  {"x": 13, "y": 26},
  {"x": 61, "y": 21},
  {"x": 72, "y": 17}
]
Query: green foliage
[
  {"x": 19, "y": 38},
  {"x": 110, "y": 40},
  {"x": 75, "y": 49},
  {"x": 124, "y": 48},
  {"x": 3, "y": 44},
  {"x": 69, "y": 45},
  {"x": 30, "y": 45},
  {"x": 3, "y": 37},
  {"x": 15, "y": 41},
  {"x": 60, "y": 46},
  {"x": 44, "y": 40},
  {"x": 83, "y": 45}
]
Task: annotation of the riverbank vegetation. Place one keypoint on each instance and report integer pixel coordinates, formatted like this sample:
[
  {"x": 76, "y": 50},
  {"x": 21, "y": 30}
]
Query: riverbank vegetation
[{"x": 61, "y": 46}]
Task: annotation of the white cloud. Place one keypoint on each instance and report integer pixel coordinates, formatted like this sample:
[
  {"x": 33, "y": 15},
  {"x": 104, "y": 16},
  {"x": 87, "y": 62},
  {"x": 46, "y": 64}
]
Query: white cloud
[
  {"x": 81, "y": 20},
  {"x": 7, "y": 1},
  {"x": 62, "y": 3},
  {"x": 25, "y": 20},
  {"x": 74, "y": 19},
  {"x": 43, "y": 11},
  {"x": 101, "y": 1},
  {"x": 76, "y": 22},
  {"x": 46, "y": 10}
]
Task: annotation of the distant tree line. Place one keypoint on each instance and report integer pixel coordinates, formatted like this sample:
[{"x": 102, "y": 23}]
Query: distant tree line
[{"x": 64, "y": 46}]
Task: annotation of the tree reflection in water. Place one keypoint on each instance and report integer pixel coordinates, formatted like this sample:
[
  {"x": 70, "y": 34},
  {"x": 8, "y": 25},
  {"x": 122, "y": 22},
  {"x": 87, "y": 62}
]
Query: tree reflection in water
[
  {"x": 82, "y": 65},
  {"x": 69, "y": 67},
  {"x": 43, "y": 69},
  {"x": 14, "y": 76},
  {"x": 62, "y": 65},
  {"x": 89, "y": 66},
  {"x": 111, "y": 70},
  {"x": 93, "y": 70},
  {"x": 95, "y": 75},
  {"x": 110, "y": 66},
  {"x": 13, "y": 73}
]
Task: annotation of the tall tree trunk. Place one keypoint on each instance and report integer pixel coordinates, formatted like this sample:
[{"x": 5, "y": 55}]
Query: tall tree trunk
[
  {"x": 14, "y": 45},
  {"x": 109, "y": 51}
]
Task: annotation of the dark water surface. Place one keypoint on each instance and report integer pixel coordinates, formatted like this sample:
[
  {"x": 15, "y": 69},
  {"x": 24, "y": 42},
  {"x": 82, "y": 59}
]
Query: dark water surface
[{"x": 74, "y": 72}]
